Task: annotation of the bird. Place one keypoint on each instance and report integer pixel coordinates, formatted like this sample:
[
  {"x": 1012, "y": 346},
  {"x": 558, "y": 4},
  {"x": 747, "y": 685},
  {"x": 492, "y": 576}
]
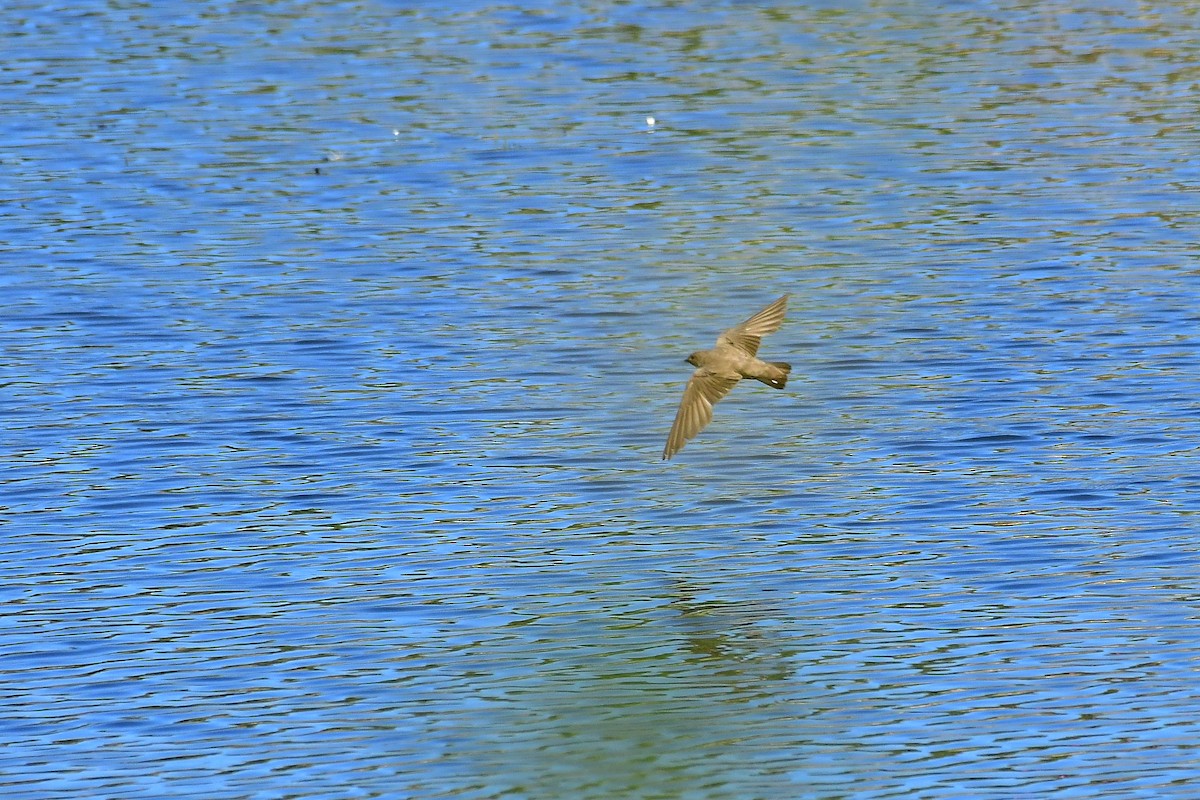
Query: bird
[{"x": 719, "y": 369}]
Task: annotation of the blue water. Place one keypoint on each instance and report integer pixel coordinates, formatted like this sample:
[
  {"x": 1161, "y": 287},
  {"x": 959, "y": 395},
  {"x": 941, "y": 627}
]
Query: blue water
[{"x": 340, "y": 344}]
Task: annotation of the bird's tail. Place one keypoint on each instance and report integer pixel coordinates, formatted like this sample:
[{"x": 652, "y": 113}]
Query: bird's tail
[{"x": 777, "y": 374}]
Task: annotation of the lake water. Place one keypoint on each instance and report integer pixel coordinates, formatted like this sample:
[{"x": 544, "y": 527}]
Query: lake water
[{"x": 340, "y": 343}]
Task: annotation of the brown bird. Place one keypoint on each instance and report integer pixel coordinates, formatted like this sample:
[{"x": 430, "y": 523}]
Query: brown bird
[{"x": 717, "y": 370}]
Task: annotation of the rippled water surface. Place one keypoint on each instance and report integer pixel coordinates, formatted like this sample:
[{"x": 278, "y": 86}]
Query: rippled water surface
[{"x": 340, "y": 343}]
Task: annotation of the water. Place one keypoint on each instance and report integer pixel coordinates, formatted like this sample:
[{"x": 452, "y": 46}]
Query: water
[{"x": 340, "y": 345}]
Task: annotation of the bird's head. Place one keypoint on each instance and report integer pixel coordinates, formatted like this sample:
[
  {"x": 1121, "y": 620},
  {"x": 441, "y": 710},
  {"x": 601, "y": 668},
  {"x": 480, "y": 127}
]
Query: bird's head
[{"x": 693, "y": 359}]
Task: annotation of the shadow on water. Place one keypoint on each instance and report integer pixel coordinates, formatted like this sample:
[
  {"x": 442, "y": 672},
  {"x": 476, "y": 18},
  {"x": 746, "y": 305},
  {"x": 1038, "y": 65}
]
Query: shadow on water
[{"x": 667, "y": 695}]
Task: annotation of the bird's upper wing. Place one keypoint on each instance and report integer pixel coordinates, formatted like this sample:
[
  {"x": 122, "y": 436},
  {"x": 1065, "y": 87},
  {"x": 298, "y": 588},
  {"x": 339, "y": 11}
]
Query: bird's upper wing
[
  {"x": 695, "y": 410},
  {"x": 747, "y": 336}
]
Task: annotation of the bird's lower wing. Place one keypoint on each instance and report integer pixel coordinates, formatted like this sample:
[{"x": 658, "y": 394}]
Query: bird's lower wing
[{"x": 696, "y": 409}]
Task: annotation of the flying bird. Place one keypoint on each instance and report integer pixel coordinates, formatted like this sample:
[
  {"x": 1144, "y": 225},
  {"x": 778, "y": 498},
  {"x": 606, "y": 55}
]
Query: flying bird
[{"x": 717, "y": 370}]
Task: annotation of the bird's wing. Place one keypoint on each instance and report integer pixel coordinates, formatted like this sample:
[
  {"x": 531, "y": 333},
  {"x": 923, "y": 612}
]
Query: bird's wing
[
  {"x": 696, "y": 409},
  {"x": 747, "y": 336}
]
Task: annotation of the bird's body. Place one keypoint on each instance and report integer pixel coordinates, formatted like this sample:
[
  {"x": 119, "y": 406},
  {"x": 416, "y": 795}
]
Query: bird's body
[{"x": 719, "y": 369}]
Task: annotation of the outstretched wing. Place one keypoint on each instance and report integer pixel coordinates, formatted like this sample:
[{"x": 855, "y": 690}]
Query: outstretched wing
[
  {"x": 703, "y": 390},
  {"x": 747, "y": 336}
]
